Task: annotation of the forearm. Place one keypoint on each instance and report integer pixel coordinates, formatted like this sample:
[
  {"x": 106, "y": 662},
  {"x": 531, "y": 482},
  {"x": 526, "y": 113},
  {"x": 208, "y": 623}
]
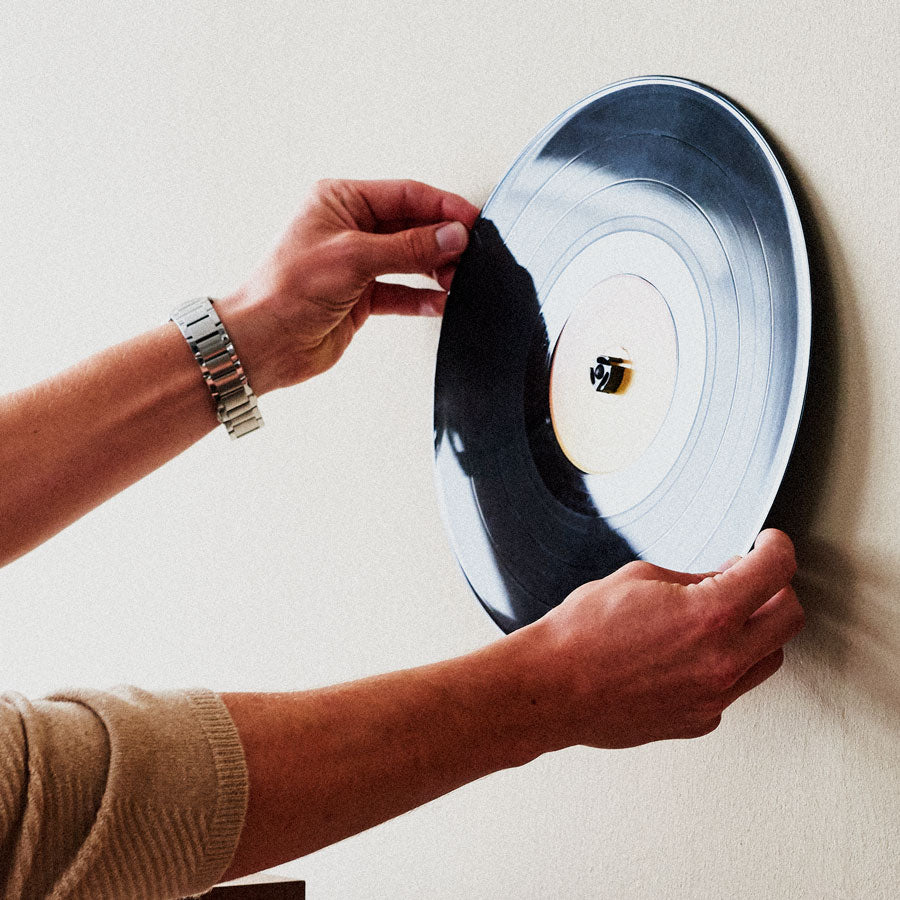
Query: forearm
[
  {"x": 79, "y": 437},
  {"x": 329, "y": 763}
]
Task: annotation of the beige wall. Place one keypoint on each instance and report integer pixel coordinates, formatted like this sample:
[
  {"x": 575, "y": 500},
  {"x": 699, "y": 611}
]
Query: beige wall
[{"x": 150, "y": 155}]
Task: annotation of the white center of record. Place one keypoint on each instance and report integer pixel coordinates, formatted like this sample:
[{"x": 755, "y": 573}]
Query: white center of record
[
  {"x": 653, "y": 261},
  {"x": 621, "y": 329}
]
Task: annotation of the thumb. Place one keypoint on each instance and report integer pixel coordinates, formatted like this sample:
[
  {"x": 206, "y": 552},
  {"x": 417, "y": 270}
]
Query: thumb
[{"x": 420, "y": 250}]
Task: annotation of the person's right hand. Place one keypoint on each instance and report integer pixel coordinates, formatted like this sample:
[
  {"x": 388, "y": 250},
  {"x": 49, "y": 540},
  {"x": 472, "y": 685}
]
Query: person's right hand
[
  {"x": 298, "y": 312},
  {"x": 642, "y": 655},
  {"x": 648, "y": 654}
]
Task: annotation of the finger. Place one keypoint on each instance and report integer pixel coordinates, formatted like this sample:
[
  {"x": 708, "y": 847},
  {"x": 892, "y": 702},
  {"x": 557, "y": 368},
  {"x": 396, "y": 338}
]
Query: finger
[
  {"x": 762, "y": 573},
  {"x": 444, "y": 276},
  {"x": 729, "y": 562},
  {"x": 650, "y": 572},
  {"x": 773, "y": 624},
  {"x": 421, "y": 250},
  {"x": 754, "y": 676},
  {"x": 401, "y": 300},
  {"x": 393, "y": 225},
  {"x": 414, "y": 202}
]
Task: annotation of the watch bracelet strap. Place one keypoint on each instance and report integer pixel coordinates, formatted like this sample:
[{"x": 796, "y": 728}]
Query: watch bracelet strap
[{"x": 236, "y": 404}]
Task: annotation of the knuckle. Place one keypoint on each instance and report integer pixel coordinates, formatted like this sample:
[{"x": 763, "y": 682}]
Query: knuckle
[
  {"x": 704, "y": 726},
  {"x": 638, "y": 569},
  {"x": 325, "y": 187},
  {"x": 785, "y": 558},
  {"x": 348, "y": 248},
  {"x": 722, "y": 674},
  {"x": 414, "y": 192},
  {"x": 339, "y": 195},
  {"x": 790, "y": 616},
  {"x": 583, "y": 593},
  {"x": 415, "y": 244},
  {"x": 713, "y": 618},
  {"x": 797, "y": 617},
  {"x": 713, "y": 708}
]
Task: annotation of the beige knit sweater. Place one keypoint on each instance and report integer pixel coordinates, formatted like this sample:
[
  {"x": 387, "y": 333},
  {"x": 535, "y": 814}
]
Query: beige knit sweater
[{"x": 118, "y": 794}]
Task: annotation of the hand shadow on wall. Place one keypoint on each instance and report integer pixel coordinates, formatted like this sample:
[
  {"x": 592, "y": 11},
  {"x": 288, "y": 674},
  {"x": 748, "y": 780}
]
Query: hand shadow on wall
[{"x": 853, "y": 624}]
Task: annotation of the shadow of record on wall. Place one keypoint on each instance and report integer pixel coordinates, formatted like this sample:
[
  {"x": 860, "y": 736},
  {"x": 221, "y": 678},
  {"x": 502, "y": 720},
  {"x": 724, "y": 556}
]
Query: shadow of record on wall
[{"x": 624, "y": 352}]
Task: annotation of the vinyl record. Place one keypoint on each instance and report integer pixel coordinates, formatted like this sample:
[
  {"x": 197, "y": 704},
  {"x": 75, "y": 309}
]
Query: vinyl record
[{"x": 624, "y": 352}]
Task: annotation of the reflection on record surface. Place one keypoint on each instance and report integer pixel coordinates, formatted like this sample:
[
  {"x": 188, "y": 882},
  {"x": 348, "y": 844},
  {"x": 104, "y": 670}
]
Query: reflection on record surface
[{"x": 650, "y": 230}]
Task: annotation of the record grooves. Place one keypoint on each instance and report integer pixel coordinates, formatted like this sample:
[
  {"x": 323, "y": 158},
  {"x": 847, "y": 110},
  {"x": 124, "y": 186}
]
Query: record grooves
[{"x": 624, "y": 350}]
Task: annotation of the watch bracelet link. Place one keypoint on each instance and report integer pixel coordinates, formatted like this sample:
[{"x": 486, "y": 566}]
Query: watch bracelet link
[{"x": 236, "y": 404}]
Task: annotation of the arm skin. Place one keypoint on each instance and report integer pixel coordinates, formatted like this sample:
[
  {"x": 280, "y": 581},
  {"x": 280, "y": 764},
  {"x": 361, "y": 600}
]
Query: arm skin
[
  {"x": 329, "y": 763},
  {"x": 95, "y": 428},
  {"x": 645, "y": 654},
  {"x": 105, "y": 423}
]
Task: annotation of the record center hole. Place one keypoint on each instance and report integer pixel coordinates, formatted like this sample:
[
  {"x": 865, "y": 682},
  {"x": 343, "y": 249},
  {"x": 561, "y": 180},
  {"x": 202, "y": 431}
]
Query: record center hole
[
  {"x": 605, "y": 422},
  {"x": 611, "y": 374}
]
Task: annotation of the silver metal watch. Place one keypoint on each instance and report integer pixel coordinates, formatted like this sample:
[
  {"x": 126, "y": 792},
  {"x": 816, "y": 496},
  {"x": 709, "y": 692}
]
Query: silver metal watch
[{"x": 222, "y": 370}]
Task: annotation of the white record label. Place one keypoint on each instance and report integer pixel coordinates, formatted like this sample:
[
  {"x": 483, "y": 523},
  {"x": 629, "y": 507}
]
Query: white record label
[{"x": 620, "y": 334}]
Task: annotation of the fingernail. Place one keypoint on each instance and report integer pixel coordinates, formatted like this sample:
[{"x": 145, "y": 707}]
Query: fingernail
[{"x": 452, "y": 237}]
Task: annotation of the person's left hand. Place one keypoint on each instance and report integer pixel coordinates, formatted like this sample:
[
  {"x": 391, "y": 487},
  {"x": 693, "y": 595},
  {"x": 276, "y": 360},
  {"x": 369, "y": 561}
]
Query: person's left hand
[{"x": 298, "y": 312}]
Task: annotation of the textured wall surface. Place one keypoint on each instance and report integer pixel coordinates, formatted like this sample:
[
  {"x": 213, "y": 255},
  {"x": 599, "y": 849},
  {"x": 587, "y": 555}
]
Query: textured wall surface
[{"x": 150, "y": 153}]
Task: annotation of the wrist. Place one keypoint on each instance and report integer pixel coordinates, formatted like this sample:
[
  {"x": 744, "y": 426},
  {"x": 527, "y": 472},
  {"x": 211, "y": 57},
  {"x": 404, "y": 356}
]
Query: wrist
[
  {"x": 520, "y": 705},
  {"x": 254, "y": 340}
]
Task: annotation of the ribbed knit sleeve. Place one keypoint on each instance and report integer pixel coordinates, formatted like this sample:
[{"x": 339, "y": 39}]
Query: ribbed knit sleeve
[{"x": 118, "y": 794}]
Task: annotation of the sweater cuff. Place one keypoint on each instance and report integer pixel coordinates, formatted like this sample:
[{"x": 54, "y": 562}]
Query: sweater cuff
[{"x": 231, "y": 774}]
